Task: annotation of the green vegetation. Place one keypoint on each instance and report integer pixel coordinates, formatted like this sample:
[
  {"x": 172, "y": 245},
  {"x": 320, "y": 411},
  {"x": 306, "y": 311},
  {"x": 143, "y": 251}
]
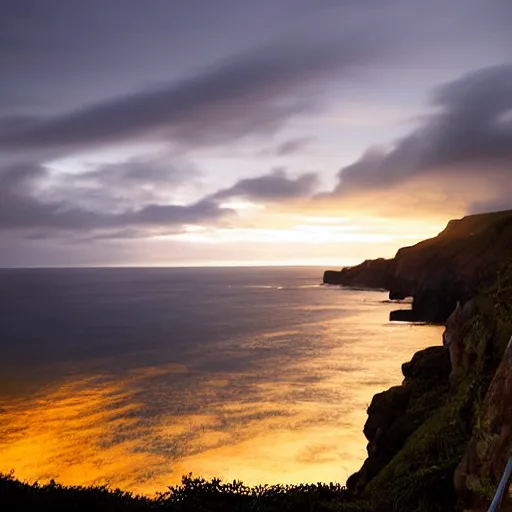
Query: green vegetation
[
  {"x": 194, "y": 495},
  {"x": 420, "y": 476}
]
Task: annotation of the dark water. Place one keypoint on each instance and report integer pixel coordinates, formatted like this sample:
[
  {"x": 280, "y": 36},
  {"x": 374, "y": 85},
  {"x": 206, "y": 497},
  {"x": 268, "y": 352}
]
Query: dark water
[
  {"x": 117, "y": 318},
  {"x": 136, "y": 376}
]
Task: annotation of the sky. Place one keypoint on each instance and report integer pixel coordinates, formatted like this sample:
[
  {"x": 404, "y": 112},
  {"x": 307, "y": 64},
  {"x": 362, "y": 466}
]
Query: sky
[{"x": 192, "y": 132}]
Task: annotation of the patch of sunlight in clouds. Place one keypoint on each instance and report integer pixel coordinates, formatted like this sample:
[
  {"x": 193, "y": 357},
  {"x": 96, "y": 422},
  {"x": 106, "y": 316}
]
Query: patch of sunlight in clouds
[
  {"x": 94, "y": 159},
  {"x": 242, "y": 206},
  {"x": 314, "y": 233}
]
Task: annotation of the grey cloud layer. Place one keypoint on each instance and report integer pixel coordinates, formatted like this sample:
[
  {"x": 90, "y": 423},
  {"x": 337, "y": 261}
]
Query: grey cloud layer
[
  {"x": 292, "y": 146},
  {"x": 58, "y": 54},
  {"x": 69, "y": 71},
  {"x": 470, "y": 133},
  {"x": 117, "y": 187},
  {"x": 252, "y": 92},
  {"x": 20, "y": 208},
  {"x": 21, "y": 205},
  {"x": 271, "y": 187}
]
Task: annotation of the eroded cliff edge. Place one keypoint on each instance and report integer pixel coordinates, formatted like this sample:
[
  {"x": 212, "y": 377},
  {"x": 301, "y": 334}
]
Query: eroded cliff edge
[
  {"x": 439, "y": 272},
  {"x": 441, "y": 440}
]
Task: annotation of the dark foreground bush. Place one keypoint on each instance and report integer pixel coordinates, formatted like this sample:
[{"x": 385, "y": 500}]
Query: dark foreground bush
[{"x": 193, "y": 494}]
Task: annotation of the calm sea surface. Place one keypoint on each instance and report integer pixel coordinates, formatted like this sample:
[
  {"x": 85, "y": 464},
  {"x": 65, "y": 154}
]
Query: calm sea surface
[{"x": 134, "y": 377}]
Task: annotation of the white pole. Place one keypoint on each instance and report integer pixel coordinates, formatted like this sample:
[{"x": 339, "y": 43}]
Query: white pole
[{"x": 502, "y": 488}]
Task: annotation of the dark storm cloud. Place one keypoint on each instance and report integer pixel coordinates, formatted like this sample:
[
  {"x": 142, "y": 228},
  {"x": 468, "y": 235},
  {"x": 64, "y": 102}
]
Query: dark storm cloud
[
  {"x": 255, "y": 91},
  {"x": 470, "y": 133},
  {"x": 271, "y": 187},
  {"x": 20, "y": 208},
  {"x": 137, "y": 172},
  {"x": 58, "y": 54},
  {"x": 292, "y": 146},
  {"x": 28, "y": 213}
]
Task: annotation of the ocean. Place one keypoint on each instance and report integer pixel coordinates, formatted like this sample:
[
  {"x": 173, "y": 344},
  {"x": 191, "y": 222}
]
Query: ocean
[{"x": 133, "y": 377}]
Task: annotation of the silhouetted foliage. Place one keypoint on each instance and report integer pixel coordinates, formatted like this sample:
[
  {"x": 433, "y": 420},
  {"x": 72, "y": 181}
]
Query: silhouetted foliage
[{"x": 193, "y": 494}]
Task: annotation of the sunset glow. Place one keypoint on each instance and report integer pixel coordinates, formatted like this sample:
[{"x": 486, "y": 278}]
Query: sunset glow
[
  {"x": 296, "y": 134},
  {"x": 95, "y": 430}
]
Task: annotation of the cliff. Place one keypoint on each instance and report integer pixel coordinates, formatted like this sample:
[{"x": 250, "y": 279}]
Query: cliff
[
  {"x": 441, "y": 440},
  {"x": 438, "y": 272},
  {"x": 369, "y": 274}
]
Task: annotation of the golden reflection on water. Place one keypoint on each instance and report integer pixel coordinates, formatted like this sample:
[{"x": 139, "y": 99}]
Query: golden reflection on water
[{"x": 303, "y": 426}]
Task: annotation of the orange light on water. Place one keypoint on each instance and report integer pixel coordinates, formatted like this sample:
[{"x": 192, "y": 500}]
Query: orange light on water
[{"x": 304, "y": 426}]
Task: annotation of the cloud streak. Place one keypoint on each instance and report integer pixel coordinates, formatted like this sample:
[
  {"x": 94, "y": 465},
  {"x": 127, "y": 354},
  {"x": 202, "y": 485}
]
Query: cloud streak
[
  {"x": 289, "y": 147},
  {"x": 467, "y": 139},
  {"x": 250, "y": 93},
  {"x": 276, "y": 186},
  {"x": 21, "y": 209},
  {"x": 470, "y": 134}
]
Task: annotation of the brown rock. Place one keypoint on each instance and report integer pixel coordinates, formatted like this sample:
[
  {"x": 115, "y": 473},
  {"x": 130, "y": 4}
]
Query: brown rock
[{"x": 477, "y": 476}]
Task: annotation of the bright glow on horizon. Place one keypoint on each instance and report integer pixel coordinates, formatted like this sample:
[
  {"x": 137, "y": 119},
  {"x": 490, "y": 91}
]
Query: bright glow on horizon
[{"x": 302, "y": 234}]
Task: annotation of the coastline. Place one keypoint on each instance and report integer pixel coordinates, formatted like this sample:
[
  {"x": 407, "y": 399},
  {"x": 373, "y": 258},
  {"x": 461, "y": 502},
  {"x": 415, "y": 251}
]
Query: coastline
[
  {"x": 437, "y": 442},
  {"x": 441, "y": 440}
]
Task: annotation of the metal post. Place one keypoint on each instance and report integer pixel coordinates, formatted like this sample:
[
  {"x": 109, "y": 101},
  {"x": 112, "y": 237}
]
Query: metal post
[
  {"x": 502, "y": 488},
  {"x": 505, "y": 479}
]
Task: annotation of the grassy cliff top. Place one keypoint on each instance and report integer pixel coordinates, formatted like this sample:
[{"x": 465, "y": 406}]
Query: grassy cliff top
[
  {"x": 469, "y": 250},
  {"x": 475, "y": 230}
]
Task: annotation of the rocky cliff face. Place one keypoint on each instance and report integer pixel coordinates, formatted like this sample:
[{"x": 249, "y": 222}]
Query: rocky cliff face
[
  {"x": 489, "y": 449},
  {"x": 441, "y": 440},
  {"x": 369, "y": 274},
  {"x": 395, "y": 414},
  {"x": 440, "y": 271}
]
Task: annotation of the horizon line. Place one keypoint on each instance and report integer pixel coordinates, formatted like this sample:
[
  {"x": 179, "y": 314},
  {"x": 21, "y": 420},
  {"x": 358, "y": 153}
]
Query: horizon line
[{"x": 145, "y": 266}]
